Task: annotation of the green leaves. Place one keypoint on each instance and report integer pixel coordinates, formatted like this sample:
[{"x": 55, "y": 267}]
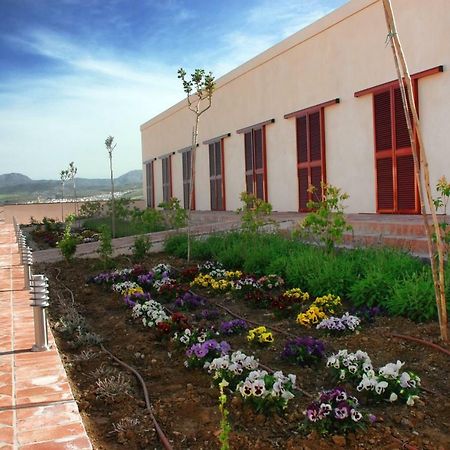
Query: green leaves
[
  {"x": 326, "y": 223},
  {"x": 200, "y": 83}
]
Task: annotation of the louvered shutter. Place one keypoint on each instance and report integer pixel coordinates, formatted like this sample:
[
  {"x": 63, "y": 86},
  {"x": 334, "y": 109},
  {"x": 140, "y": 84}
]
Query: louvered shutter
[
  {"x": 310, "y": 153},
  {"x": 249, "y": 161},
  {"x": 385, "y": 184},
  {"x": 396, "y": 186}
]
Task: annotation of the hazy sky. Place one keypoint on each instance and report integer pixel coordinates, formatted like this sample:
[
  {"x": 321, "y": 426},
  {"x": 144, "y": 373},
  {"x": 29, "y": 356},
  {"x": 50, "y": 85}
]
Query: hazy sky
[{"x": 73, "y": 72}]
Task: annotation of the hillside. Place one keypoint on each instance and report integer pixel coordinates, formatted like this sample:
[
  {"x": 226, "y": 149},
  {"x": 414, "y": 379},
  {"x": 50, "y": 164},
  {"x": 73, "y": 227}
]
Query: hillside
[{"x": 17, "y": 188}]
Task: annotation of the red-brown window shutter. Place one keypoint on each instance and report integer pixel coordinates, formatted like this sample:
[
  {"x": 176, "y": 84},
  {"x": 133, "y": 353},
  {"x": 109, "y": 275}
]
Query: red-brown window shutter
[
  {"x": 255, "y": 163},
  {"x": 216, "y": 176},
  {"x": 310, "y": 156},
  {"x": 396, "y": 185}
]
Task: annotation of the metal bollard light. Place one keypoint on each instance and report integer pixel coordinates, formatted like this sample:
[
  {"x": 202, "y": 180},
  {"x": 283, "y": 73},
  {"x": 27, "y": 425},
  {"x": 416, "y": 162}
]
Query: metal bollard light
[
  {"x": 27, "y": 261},
  {"x": 39, "y": 301}
]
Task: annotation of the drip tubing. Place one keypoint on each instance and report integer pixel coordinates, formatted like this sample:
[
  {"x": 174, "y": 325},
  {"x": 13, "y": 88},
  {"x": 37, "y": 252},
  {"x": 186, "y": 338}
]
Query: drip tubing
[
  {"x": 162, "y": 437},
  {"x": 421, "y": 341}
]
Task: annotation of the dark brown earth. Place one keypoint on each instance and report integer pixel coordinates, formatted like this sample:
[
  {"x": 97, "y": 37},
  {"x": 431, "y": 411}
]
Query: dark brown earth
[{"x": 184, "y": 402}]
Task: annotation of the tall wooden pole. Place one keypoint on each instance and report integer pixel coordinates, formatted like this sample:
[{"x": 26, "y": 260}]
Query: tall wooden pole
[{"x": 421, "y": 169}]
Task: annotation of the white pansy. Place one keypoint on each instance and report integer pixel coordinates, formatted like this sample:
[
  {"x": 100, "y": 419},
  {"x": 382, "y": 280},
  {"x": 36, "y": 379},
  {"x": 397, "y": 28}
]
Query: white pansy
[{"x": 393, "y": 397}]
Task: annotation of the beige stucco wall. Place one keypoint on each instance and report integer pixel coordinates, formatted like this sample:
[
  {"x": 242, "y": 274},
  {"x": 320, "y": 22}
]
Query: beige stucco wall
[{"x": 342, "y": 53}]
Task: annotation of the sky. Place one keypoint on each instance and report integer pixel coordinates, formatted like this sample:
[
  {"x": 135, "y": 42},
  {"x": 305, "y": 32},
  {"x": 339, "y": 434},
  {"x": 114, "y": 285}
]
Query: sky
[{"x": 73, "y": 72}]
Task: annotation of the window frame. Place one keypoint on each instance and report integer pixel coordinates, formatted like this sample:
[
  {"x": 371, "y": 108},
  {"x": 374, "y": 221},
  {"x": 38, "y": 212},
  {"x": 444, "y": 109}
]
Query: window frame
[{"x": 217, "y": 178}]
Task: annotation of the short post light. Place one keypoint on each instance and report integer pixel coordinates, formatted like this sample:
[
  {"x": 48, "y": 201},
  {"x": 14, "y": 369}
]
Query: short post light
[
  {"x": 39, "y": 302},
  {"x": 27, "y": 261}
]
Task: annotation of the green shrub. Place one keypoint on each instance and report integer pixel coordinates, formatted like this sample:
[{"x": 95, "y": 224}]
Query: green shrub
[
  {"x": 255, "y": 213},
  {"x": 413, "y": 297},
  {"x": 174, "y": 215},
  {"x": 68, "y": 243},
  {"x": 326, "y": 222},
  {"x": 176, "y": 244},
  {"x": 105, "y": 249},
  {"x": 374, "y": 289},
  {"x": 141, "y": 247}
]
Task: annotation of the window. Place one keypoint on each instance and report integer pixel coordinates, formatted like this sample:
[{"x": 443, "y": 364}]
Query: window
[
  {"x": 396, "y": 189},
  {"x": 167, "y": 177},
  {"x": 187, "y": 164},
  {"x": 255, "y": 159},
  {"x": 310, "y": 156},
  {"x": 255, "y": 163},
  {"x": 150, "y": 184},
  {"x": 395, "y": 179},
  {"x": 216, "y": 176},
  {"x": 311, "y": 161}
]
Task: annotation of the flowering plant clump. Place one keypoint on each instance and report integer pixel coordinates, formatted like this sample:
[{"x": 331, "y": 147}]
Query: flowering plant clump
[
  {"x": 340, "y": 325},
  {"x": 188, "y": 273},
  {"x": 131, "y": 298},
  {"x": 296, "y": 294},
  {"x": 233, "y": 275},
  {"x": 245, "y": 285},
  {"x": 206, "y": 281},
  {"x": 312, "y": 316},
  {"x": 127, "y": 287},
  {"x": 235, "y": 326},
  {"x": 368, "y": 313},
  {"x": 117, "y": 276},
  {"x": 303, "y": 350},
  {"x": 267, "y": 392},
  {"x": 209, "y": 266},
  {"x": 190, "y": 301},
  {"x": 188, "y": 337},
  {"x": 146, "y": 280},
  {"x": 330, "y": 304},
  {"x": 201, "y": 354},
  {"x": 320, "y": 309},
  {"x": 260, "y": 335},
  {"x": 162, "y": 270},
  {"x": 350, "y": 366},
  {"x": 232, "y": 368},
  {"x": 207, "y": 314},
  {"x": 391, "y": 384},
  {"x": 335, "y": 412},
  {"x": 289, "y": 301},
  {"x": 259, "y": 299},
  {"x": 151, "y": 313},
  {"x": 269, "y": 282}
]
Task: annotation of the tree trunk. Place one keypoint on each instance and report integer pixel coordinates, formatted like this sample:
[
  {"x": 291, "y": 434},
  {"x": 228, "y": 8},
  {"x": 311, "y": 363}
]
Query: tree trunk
[{"x": 113, "y": 206}]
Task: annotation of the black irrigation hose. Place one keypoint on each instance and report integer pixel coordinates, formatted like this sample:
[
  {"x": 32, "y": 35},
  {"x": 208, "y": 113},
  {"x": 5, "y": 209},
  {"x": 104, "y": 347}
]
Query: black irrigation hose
[{"x": 162, "y": 437}]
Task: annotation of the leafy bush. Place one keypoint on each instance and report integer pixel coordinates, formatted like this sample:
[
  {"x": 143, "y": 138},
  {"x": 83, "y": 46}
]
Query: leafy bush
[
  {"x": 90, "y": 209},
  {"x": 255, "y": 213},
  {"x": 141, "y": 247},
  {"x": 175, "y": 216},
  {"x": 68, "y": 244},
  {"x": 326, "y": 223},
  {"x": 414, "y": 297},
  {"x": 105, "y": 245}
]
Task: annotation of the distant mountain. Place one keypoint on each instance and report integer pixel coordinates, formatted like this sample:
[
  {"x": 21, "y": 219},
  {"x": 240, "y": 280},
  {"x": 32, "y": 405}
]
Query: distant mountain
[
  {"x": 12, "y": 179},
  {"x": 18, "y": 187},
  {"x": 132, "y": 177}
]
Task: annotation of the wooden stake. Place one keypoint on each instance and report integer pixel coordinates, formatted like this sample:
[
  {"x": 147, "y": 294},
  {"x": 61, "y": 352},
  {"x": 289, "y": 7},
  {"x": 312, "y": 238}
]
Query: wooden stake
[{"x": 421, "y": 170}]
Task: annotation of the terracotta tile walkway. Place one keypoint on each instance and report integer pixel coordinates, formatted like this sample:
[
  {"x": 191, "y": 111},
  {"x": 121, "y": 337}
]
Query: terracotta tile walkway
[{"x": 37, "y": 408}]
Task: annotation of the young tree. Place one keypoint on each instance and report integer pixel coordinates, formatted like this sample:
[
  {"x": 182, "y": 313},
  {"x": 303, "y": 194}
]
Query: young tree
[
  {"x": 198, "y": 89},
  {"x": 72, "y": 171},
  {"x": 64, "y": 176},
  {"x": 110, "y": 146}
]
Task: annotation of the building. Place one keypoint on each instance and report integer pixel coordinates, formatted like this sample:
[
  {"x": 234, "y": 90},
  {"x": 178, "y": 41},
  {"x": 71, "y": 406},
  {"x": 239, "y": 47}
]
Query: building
[{"x": 321, "y": 105}]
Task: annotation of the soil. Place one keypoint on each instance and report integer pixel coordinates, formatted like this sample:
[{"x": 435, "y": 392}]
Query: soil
[{"x": 185, "y": 404}]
